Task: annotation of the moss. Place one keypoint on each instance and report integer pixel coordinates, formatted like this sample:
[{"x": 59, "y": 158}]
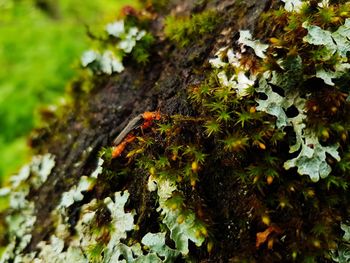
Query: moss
[
  {"x": 218, "y": 177},
  {"x": 238, "y": 124},
  {"x": 141, "y": 52},
  {"x": 119, "y": 40},
  {"x": 185, "y": 30}
]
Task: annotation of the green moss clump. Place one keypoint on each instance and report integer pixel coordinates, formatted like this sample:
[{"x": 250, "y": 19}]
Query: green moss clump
[
  {"x": 296, "y": 102},
  {"x": 141, "y": 52},
  {"x": 185, "y": 30}
]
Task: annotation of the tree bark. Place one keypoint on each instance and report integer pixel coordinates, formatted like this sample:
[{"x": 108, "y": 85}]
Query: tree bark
[{"x": 91, "y": 120}]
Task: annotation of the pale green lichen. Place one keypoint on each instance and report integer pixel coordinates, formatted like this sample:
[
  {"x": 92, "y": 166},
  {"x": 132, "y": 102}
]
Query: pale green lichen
[
  {"x": 245, "y": 39},
  {"x": 110, "y": 62},
  {"x": 107, "y": 62},
  {"x": 156, "y": 244},
  {"x": 293, "y": 5},
  {"x": 111, "y": 59},
  {"x": 121, "y": 223},
  {"x": 342, "y": 253},
  {"x": 158, "y": 252},
  {"x": 277, "y": 105},
  {"x": 181, "y": 222},
  {"x": 75, "y": 193},
  {"x": 241, "y": 81},
  {"x": 346, "y": 229},
  {"x": 22, "y": 217},
  {"x": 327, "y": 76},
  {"x": 116, "y": 28},
  {"x": 53, "y": 251},
  {"x": 98, "y": 169},
  {"x": 79, "y": 246},
  {"x": 311, "y": 160},
  {"x": 85, "y": 184},
  {"x": 337, "y": 41},
  {"x": 41, "y": 168},
  {"x": 37, "y": 172},
  {"x": 20, "y": 224},
  {"x": 86, "y": 236}
]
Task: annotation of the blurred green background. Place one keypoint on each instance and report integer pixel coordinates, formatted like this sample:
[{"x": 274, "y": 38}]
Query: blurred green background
[{"x": 41, "y": 42}]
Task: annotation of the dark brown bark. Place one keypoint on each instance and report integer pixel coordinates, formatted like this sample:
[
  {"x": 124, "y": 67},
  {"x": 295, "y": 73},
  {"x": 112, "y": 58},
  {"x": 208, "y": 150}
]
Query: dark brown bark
[{"x": 93, "y": 120}]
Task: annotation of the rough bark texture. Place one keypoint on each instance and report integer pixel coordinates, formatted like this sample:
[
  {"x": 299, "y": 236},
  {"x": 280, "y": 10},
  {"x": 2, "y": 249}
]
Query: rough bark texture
[
  {"x": 91, "y": 120},
  {"x": 95, "y": 119}
]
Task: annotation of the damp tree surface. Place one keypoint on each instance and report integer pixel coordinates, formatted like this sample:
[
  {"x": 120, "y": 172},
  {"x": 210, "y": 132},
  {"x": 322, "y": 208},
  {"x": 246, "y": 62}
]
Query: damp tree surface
[{"x": 234, "y": 119}]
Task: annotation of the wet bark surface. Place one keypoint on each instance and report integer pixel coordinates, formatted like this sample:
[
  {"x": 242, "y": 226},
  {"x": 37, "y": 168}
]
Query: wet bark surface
[{"x": 92, "y": 121}]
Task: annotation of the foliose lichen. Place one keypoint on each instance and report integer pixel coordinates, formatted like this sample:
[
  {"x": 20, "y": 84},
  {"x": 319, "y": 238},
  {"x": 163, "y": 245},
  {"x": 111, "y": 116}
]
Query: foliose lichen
[
  {"x": 22, "y": 217},
  {"x": 121, "y": 38},
  {"x": 268, "y": 111}
]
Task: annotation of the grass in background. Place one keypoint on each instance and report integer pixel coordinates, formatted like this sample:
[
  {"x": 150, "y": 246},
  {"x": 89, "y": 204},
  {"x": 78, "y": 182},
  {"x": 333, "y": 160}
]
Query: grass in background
[{"x": 39, "y": 44}]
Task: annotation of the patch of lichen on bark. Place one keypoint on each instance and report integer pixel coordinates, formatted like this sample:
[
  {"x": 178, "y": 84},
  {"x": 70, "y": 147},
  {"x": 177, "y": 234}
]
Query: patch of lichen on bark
[
  {"x": 81, "y": 144},
  {"x": 284, "y": 203},
  {"x": 220, "y": 154},
  {"x": 91, "y": 105}
]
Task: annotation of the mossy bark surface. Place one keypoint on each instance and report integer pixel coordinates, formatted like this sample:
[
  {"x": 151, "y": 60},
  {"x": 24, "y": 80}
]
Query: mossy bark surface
[
  {"x": 228, "y": 205},
  {"x": 94, "y": 119}
]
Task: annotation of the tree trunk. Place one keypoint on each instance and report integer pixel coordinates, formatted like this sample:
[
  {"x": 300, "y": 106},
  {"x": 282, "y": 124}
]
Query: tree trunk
[{"x": 238, "y": 217}]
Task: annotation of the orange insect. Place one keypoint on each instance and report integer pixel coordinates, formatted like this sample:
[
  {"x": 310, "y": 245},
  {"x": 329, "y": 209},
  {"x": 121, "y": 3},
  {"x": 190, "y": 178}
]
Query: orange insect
[
  {"x": 149, "y": 117},
  {"x": 142, "y": 121},
  {"x": 262, "y": 237},
  {"x": 117, "y": 150}
]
